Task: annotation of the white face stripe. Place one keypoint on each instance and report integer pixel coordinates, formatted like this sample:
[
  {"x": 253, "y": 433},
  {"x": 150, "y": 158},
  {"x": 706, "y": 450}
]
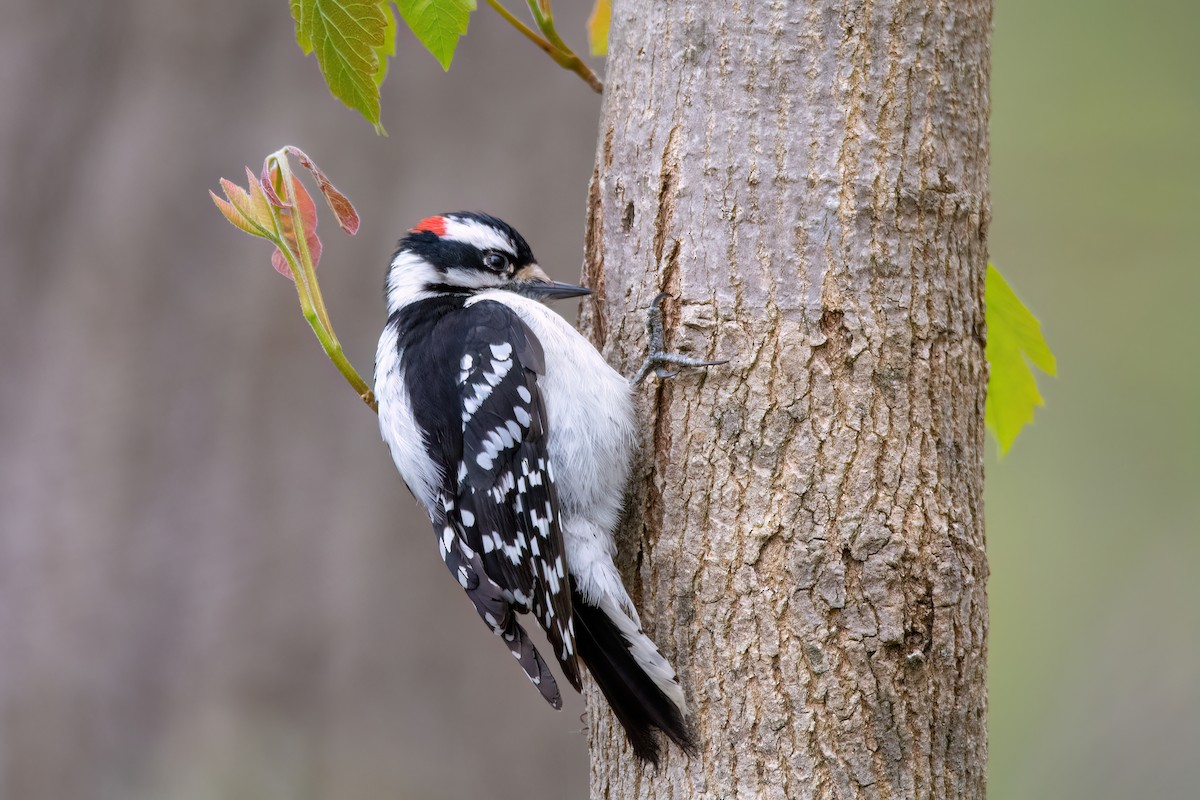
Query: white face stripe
[
  {"x": 471, "y": 278},
  {"x": 477, "y": 234},
  {"x": 407, "y": 279}
]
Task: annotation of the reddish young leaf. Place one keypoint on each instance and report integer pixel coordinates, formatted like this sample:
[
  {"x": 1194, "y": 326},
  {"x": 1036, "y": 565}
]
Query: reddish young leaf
[
  {"x": 339, "y": 204},
  {"x": 247, "y": 210},
  {"x": 308, "y": 219},
  {"x": 251, "y": 209},
  {"x": 230, "y": 212},
  {"x": 271, "y": 181}
]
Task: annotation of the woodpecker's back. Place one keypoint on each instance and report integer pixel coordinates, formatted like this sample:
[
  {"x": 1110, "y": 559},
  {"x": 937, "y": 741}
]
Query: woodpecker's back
[{"x": 516, "y": 437}]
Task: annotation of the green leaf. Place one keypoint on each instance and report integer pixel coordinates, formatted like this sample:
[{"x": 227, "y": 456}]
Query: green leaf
[
  {"x": 597, "y": 27},
  {"x": 437, "y": 24},
  {"x": 1014, "y": 340},
  {"x": 351, "y": 40},
  {"x": 388, "y": 49},
  {"x": 298, "y": 13}
]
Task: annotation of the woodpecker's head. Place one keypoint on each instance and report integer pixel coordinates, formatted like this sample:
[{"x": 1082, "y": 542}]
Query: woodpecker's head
[{"x": 466, "y": 252}]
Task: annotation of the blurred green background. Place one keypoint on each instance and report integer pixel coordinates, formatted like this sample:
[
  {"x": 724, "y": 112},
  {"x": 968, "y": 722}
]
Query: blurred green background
[
  {"x": 192, "y": 606},
  {"x": 1093, "y": 519}
]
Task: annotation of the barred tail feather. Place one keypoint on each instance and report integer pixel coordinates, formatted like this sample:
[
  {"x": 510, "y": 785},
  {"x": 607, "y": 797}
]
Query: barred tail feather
[{"x": 637, "y": 681}]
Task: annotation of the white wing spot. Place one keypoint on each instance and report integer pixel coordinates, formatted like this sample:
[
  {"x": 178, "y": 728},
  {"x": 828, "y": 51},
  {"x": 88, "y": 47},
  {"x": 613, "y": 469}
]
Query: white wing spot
[
  {"x": 471, "y": 405},
  {"x": 504, "y": 438}
]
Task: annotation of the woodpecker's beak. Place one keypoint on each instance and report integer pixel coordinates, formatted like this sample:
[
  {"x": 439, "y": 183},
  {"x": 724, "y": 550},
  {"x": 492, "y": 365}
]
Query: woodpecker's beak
[{"x": 534, "y": 283}]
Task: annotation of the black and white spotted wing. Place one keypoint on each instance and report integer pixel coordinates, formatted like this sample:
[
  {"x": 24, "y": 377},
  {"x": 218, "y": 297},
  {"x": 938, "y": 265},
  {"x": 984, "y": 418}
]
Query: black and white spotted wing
[
  {"x": 501, "y": 509},
  {"x": 492, "y": 602}
]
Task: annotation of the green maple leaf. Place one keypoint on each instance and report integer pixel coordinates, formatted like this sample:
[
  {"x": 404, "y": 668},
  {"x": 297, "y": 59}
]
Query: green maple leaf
[
  {"x": 389, "y": 44},
  {"x": 352, "y": 41},
  {"x": 1014, "y": 340},
  {"x": 437, "y": 24}
]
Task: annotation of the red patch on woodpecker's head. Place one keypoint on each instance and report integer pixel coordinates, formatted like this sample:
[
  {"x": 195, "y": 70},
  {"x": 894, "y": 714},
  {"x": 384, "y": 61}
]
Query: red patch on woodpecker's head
[{"x": 434, "y": 225}]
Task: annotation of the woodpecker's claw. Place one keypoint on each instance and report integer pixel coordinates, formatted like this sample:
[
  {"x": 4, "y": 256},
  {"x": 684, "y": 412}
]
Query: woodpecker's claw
[{"x": 658, "y": 357}]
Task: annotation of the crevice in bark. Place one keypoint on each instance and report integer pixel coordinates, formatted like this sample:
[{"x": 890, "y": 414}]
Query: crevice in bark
[{"x": 593, "y": 264}]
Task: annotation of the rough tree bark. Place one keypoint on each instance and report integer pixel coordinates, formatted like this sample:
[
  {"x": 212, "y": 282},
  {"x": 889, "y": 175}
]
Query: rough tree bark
[{"x": 805, "y": 535}]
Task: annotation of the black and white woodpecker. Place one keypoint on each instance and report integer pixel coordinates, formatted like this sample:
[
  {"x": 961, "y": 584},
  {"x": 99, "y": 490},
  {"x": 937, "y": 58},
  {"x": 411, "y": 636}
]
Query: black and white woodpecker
[{"x": 516, "y": 436}]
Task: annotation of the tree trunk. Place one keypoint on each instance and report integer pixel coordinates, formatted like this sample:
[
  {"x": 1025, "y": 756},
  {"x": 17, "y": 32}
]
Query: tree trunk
[{"x": 805, "y": 538}]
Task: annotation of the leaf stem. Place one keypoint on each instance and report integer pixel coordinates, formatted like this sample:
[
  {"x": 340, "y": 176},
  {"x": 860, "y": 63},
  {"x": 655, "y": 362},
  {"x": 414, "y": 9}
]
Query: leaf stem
[
  {"x": 312, "y": 304},
  {"x": 552, "y": 45},
  {"x": 544, "y": 16}
]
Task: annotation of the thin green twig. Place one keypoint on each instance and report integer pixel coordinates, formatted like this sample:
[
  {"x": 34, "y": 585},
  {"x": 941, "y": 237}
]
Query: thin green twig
[
  {"x": 312, "y": 304},
  {"x": 552, "y": 45}
]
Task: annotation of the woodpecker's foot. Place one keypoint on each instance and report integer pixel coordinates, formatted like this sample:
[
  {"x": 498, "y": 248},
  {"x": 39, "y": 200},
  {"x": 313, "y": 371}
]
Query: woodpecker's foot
[{"x": 658, "y": 359}]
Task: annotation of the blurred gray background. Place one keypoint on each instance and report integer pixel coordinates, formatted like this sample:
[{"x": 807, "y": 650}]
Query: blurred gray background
[{"x": 213, "y": 584}]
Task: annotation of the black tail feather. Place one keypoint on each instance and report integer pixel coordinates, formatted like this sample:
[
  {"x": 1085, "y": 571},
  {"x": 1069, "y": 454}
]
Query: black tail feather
[{"x": 638, "y": 703}]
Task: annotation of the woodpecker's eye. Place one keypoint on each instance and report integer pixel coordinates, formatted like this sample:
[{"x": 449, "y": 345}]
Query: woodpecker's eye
[{"x": 496, "y": 261}]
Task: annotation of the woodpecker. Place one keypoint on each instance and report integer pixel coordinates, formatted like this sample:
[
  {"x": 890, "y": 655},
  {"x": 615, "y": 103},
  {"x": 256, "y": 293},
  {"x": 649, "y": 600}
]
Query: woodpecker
[{"x": 516, "y": 436}]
